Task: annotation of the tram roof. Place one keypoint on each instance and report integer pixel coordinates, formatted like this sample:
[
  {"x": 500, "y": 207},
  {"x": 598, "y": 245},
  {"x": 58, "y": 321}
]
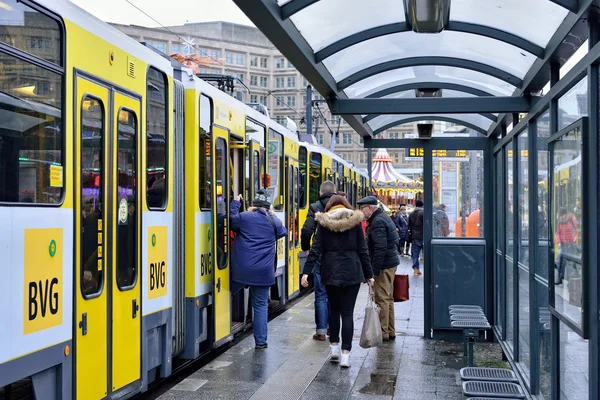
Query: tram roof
[{"x": 369, "y": 58}]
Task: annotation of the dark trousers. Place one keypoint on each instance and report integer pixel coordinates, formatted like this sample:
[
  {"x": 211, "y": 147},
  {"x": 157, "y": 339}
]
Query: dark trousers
[{"x": 341, "y": 307}]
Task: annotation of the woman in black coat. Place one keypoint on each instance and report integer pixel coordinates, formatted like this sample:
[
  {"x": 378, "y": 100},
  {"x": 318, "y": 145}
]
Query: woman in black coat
[{"x": 340, "y": 244}]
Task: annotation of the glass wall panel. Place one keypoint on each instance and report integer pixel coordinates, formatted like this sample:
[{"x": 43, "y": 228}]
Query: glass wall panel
[
  {"x": 524, "y": 339},
  {"x": 543, "y": 132},
  {"x": 573, "y": 105},
  {"x": 458, "y": 193},
  {"x": 509, "y": 245},
  {"x": 523, "y": 200},
  {"x": 545, "y": 340},
  {"x": 573, "y": 365},
  {"x": 499, "y": 238},
  {"x": 566, "y": 206}
]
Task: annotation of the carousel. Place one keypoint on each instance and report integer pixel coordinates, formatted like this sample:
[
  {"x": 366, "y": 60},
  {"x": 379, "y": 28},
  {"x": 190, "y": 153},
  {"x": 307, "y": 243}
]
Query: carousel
[{"x": 391, "y": 187}]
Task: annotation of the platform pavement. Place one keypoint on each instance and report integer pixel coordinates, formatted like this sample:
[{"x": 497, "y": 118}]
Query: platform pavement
[{"x": 297, "y": 367}]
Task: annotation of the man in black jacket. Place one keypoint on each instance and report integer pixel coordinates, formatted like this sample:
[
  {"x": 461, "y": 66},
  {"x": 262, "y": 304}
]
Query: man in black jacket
[
  {"x": 382, "y": 239},
  {"x": 415, "y": 233},
  {"x": 326, "y": 190}
]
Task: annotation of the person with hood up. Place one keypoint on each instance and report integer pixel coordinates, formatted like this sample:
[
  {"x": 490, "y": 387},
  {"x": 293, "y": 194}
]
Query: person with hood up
[
  {"x": 340, "y": 245},
  {"x": 253, "y": 257},
  {"x": 326, "y": 190}
]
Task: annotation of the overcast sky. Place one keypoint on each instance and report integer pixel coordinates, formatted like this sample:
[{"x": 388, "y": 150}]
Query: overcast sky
[{"x": 167, "y": 12}]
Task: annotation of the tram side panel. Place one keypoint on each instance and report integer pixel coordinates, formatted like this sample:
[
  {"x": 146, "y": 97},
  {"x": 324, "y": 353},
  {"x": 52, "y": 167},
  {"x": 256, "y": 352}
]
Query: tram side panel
[{"x": 157, "y": 228}]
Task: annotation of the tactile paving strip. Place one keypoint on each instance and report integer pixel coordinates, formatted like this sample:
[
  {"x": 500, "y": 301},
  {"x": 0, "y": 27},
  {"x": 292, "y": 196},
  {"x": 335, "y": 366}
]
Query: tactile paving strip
[
  {"x": 501, "y": 390},
  {"x": 488, "y": 374}
]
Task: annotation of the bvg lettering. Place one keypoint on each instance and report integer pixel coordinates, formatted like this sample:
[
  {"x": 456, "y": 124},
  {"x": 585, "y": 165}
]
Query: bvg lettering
[
  {"x": 43, "y": 298},
  {"x": 205, "y": 264},
  {"x": 158, "y": 275}
]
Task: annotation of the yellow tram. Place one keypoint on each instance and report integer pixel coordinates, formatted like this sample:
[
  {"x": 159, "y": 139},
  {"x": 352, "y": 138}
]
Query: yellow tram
[{"x": 117, "y": 166}]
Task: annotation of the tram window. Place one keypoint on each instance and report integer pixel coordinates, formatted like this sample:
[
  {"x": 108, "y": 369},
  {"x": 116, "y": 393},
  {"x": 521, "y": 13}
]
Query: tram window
[
  {"x": 303, "y": 174},
  {"x": 127, "y": 243},
  {"x": 221, "y": 183},
  {"x": 156, "y": 140},
  {"x": 92, "y": 196},
  {"x": 31, "y": 134},
  {"x": 205, "y": 166},
  {"x": 275, "y": 169},
  {"x": 316, "y": 177},
  {"x": 30, "y": 31},
  {"x": 256, "y": 172}
]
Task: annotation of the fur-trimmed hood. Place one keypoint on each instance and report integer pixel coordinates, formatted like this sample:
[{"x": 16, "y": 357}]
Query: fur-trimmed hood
[
  {"x": 340, "y": 219},
  {"x": 253, "y": 208}
]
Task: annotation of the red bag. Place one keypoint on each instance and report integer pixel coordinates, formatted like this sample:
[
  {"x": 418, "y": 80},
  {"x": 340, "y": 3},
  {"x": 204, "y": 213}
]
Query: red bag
[{"x": 400, "y": 288}]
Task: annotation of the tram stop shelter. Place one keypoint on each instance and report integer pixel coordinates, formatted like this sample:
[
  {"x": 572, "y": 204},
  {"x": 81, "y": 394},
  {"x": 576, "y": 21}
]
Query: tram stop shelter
[{"x": 500, "y": 68}]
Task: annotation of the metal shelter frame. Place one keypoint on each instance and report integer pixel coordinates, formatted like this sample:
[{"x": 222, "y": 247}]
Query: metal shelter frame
[{"x": 280, "y": 21}]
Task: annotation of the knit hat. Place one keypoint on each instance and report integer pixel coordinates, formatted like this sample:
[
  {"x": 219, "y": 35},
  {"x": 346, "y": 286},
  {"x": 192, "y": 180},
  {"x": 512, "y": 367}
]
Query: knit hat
[{"x": 261, "y": 199}]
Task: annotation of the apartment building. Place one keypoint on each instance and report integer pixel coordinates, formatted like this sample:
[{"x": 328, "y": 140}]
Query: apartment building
[{"x": 266, "y": 77}]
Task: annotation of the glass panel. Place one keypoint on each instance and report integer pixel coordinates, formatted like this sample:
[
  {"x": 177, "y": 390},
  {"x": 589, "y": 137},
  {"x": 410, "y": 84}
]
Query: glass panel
[
  {"x": 524, "y": 339},
  {"x": 256, "y": 173},
  {"x": 302, "y": 156},
  {"x": 573, "y": 365},
  {"x": 126, "y": 199},
  {"x": 315, "y": 177},
  {"x": 275, "y": 170},
  {"x": 543, "y": 132},
  {"x": 296, "y": 219},
  {"x": 513, "y": 16},
  {"x": 28, "y": 30},
  {"x": 573, "y": 105},
  {"x": 405, "y": 45},
  {"x": 459, "y": 76},
  {"x": 31, "y": 139},
  {"x": 156, "y": 140},
  {"x": 457, "y": 193},
  {"x": 499, "y": 238},
  {"x": 473, "y": 119},
  {"x": 320, "y": 23},
  {"x": 221, "y": 193},
  {"x": 204, "y": 195},
  {"x": 566, "y": 205},
  {"x": 509, "y": 246},
  {"x": 523, "y": 194},
  {"x": 545, "y": 351},
  {"x": 92, "y": 195},
  {"x": 255, "y": 131}
]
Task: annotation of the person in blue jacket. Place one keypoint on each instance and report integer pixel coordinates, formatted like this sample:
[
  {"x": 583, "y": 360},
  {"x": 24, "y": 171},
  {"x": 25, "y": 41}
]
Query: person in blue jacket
[{"x": 253, "y": 256}]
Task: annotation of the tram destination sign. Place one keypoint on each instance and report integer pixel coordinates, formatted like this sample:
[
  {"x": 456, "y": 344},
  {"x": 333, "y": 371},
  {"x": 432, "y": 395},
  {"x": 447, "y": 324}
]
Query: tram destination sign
[{"x": 416, "y": 154}]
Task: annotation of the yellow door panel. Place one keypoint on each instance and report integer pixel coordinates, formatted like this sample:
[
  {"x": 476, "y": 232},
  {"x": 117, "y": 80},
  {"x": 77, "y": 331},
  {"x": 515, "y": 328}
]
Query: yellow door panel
[
  {"x": 90, "y": 317},
  {"x": 220, "y": 201},
  {"x": 126, "y": 285}
]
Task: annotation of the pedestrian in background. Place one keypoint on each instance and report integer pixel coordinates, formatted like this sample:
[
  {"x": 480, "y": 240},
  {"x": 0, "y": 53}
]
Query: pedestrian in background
[
  {"x": 415, "y": 233},
  {"x": 340, "y": 245}
]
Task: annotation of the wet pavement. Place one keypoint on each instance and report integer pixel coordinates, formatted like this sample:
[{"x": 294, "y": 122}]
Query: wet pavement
[{"x": 297, "y": 367}]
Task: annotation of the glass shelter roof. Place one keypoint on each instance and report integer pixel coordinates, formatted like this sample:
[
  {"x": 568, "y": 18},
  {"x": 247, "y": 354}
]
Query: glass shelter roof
[{"x": 356, "y": 50}]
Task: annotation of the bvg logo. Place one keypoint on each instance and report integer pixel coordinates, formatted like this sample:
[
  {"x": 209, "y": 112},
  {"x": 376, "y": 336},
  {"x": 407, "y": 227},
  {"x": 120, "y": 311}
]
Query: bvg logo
[
  {"x": 43, "y": 275},
  {"x": 157, "y": 261}
]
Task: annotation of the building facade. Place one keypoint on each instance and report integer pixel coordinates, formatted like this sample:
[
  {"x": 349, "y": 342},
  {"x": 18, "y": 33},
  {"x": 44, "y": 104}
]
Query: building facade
[{"x": 266, "y": 77}]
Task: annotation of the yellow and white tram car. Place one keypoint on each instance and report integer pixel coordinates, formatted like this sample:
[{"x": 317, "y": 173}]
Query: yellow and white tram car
[{"x": 117, "y": 166}]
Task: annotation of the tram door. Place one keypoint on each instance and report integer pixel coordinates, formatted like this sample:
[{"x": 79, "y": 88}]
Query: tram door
[
  {"x": 220, "y": 233},
  {"x": 292, "y": 218},
  {"x": 107, "y": 320}
]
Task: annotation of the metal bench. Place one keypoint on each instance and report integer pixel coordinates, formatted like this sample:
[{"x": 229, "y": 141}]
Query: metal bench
[
  {"x": 488, "y": 374},
  {"x": 468, "y": 317},
  {"x": 500, "y": 390},
  {"x": 464, "y": 307},
  {"x": 466, "y": 311},
  {"x": 471, "y": 331}
]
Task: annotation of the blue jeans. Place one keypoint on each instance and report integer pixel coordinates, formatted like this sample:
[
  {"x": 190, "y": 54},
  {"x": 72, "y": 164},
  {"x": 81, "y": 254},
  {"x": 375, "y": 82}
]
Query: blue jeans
[
  {"x": 321, "y": 305},
  {"x": 260, "y": 302},
  {"x": 417, "y": 246}
]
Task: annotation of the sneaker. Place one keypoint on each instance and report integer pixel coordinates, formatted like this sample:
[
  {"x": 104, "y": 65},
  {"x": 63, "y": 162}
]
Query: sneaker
[
  {"x": 261, "y": 346},
  {"x": 335, "y": 353},
  {"x": 345, "y": 363}
]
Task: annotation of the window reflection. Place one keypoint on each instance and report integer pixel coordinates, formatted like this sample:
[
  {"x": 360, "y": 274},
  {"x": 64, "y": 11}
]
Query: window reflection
[
  {"x": 156, "y": 140},
  {"x": 31, "y": 139}
]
